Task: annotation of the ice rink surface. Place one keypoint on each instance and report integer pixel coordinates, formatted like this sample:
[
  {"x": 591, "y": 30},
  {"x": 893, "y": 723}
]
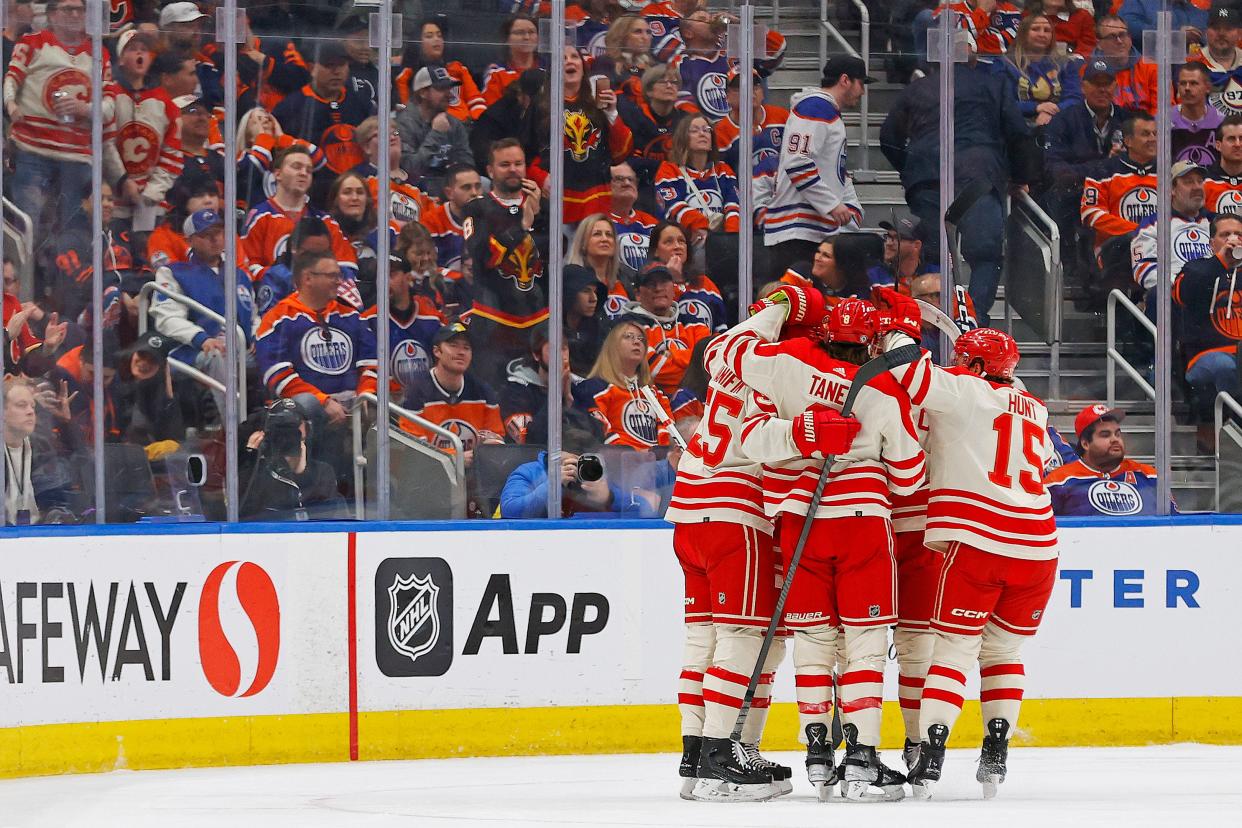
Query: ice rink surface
[{"x": 1179, "y": 786}]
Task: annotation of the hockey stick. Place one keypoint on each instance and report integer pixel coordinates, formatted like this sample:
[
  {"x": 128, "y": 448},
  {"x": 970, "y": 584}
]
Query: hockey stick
[
  {"x": 869, "y": 371},
  {"x": 662, "y": 417}
]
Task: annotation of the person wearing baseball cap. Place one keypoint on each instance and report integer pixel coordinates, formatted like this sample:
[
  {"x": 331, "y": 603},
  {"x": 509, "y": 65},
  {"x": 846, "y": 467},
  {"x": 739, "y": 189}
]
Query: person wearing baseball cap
[
  {"x": 431, "y": 139},
  {"x": 671, "y": 335},
  {"x": 903, "y": 254},
  {"x": 450, "y": 393},
  {"x": 1191, "y": 234},
  {"x": 1102, "y": 482},
  {"x": 181, "y": 25},
  {"x": 769, "y": 122},
  {"x": 823, "y": 202},
  {"x": 413, "y": 323},
  {"x": 1221, "y": 38},
  {"x": 325, "y": 110},
  {"x": 200, "y": 338}
]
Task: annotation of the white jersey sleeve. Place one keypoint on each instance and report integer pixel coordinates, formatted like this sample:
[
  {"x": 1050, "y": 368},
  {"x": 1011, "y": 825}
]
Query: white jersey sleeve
[{"x": 987, "y": 447}]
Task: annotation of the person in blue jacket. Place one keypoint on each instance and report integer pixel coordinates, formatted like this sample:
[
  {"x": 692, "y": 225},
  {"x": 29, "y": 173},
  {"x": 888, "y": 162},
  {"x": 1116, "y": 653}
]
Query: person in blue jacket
[{"x": 525, "y": 493}]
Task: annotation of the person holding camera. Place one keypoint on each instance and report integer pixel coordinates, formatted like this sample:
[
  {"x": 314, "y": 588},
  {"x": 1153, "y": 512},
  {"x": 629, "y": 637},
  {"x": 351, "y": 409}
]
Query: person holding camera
[
  {"x": 283, "y": 483},
  {"x": 583, "y": 478}
]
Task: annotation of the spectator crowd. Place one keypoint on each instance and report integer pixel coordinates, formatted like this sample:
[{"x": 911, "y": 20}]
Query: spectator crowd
[{"x": 1055, "y": 100}]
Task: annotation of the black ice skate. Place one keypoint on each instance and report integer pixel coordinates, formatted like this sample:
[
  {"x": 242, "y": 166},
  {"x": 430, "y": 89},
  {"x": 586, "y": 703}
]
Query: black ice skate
[
  {"x": 861, "y": 769},
  {"x": 926, "y": 771},
  {"x": 995, "y": 754},
  {"x": 689, "y": 770},
  {"x": 910, "y": 754},
  {"x": 820, "y": 763},
  {"x": 727, "y": 774},
  {"x": 781, "y": 774}
]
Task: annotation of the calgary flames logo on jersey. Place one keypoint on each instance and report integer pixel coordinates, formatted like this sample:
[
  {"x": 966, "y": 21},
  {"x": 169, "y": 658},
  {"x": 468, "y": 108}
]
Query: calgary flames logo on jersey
[
  {"x": 517, "y": 260},
  {"x": 139, "y": 147},
  {"x": 1138, "y": 204},
  {"x": 72, "y": 84},
  {"x": 581, "y": 135},
  {"x": 638, "y": 421}
]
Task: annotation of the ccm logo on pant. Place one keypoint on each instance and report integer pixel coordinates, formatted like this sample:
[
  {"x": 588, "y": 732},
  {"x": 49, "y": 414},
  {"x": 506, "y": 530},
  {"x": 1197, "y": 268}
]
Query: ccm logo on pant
[{"x": 965, "y": 613}]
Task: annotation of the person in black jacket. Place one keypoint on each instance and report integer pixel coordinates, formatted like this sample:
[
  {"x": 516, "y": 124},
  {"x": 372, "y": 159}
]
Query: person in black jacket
[
  {"x": 515, "y": 115},
  {"x": 1080, "y": 141},
  {"x": 1207, "y": 314},
  {"x": 281, "y": 483},
  {"x": 993, "y": 148}
]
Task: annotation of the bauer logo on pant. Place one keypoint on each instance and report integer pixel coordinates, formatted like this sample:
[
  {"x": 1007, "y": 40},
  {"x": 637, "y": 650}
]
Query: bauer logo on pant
[{"x": 414, "y": 617}]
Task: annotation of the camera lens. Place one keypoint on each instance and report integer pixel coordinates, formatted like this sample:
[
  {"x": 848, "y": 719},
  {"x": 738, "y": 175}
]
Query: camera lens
[{"x": 590, "y": 468}]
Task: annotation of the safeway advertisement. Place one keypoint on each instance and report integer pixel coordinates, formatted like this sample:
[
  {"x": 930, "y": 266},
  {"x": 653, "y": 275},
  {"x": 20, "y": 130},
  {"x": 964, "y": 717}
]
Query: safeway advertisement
[{"x": 144, "y": 627}]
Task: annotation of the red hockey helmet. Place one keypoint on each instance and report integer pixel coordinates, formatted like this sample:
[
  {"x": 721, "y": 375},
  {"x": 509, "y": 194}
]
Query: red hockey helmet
[
  {"x": 996, "y": 348},
  {"x": 851, "y": 321}
]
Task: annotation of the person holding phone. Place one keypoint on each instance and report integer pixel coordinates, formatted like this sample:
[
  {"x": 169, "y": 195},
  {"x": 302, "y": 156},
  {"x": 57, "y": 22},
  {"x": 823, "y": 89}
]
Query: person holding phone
[{"x": 595, "y": 139}]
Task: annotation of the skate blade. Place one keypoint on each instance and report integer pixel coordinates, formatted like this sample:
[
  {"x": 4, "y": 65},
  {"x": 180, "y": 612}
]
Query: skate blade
[
  {"x": 783, "y": 787},
  {"x": 991, "y": 784},
  {"x": 857, "y": 790},
  {"x": 922, "y": 790},
  {"x": 720, "y": 790},
  {"x": 687, "y": 788},
  {"x": 827, "y": 792}
]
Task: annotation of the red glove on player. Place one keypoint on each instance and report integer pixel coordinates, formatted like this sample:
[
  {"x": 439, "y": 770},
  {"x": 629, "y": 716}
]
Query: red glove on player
[
  {"x": 820, "y": 431},
  {"x": 896, "y": 312},
  {"x": 806, "y": 305}
]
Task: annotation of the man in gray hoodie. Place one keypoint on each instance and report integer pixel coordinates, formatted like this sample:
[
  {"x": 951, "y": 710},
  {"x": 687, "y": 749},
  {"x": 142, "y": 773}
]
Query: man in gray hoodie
[{"x": 431, "y": 139}]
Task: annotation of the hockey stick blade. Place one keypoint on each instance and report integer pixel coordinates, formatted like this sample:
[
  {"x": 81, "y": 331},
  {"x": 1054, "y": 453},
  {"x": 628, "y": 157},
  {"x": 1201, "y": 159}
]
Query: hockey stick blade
[{"x": 871, "y": 369}]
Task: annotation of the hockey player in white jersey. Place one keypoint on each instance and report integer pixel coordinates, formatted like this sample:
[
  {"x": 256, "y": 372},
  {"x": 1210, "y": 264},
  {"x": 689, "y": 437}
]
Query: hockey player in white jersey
[
  {"x": 989, "y": 512},
  {"x": 813, "y": 196},
  {"x": 723, "y": 541},
  {"x": 847, "y": 576}
]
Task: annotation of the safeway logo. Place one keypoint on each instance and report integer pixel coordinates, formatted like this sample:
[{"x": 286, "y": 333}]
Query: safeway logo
[{"x": 238, "y": 629}]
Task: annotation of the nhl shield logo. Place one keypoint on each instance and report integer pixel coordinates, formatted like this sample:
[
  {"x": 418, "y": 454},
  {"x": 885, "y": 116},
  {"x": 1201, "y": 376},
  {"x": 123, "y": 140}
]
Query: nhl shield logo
[{"x": 413, "y": 615}]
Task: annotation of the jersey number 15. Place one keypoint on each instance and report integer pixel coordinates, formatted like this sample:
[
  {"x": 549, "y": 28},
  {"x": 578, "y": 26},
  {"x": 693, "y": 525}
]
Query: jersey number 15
[{"x": 1032, "y": 437}]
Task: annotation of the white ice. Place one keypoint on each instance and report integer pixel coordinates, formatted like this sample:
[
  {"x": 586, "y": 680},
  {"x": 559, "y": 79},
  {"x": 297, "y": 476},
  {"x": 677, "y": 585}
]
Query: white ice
[{"x": 1169, "y": 786}]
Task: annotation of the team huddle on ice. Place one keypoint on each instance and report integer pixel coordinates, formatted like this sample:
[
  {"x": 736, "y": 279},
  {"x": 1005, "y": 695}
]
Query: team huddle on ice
[{"x": 933, "y": 520}]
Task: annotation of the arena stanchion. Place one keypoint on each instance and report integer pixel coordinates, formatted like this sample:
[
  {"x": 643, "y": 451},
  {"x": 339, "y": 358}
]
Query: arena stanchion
[
  {"x": 869, "y": 371},
  {"x": 96, "y": 25},
  {"x": 230, "y": 30}
]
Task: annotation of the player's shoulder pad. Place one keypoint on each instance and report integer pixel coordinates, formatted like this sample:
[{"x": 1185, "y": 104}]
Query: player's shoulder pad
[{"x": 817, "y": 108}]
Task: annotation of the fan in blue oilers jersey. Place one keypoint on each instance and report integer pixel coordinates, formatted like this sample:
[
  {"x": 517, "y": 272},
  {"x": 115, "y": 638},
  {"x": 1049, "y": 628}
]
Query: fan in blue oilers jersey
[
  {"x": 633, "y": 226},
  {"x": 1102, "y": 481},
  {"x": 412, "y": 323},
  {"x": 314, "y": 348},
  {"x": 699, "y": 300},
  {"x": 704, "y": 66},
  {"x": 769, "y": 126}
]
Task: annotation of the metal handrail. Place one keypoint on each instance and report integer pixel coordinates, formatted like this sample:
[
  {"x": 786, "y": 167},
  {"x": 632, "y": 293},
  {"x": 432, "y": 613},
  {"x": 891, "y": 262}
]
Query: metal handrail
[
  {"x": 1224, "y": 398},
  {"x": 23, "y": 232},
  {"x": 1053, "y": 292},
  {"x": 1114, "y": 357},
  {"x": 864, "y": 107},
  {"x": 144, "y": 307},
  {"x": 825, "y": 29},
  {"x": 457, "y": 452}
]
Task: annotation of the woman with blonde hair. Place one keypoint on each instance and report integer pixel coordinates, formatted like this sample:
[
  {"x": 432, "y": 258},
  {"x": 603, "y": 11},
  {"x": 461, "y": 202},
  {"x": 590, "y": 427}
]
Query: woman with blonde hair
[
  {"x": 1046, "y": 81},
  {"x": 595, "y": 247},
  {"x": 611, "y": 392},
  {"x": 627, "y": 54}
]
